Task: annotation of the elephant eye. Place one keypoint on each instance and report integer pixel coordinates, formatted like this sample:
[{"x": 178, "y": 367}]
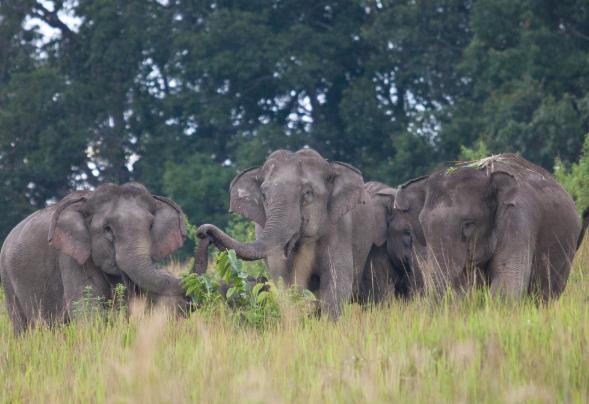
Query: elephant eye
[
  {"x": 308, "y": 196},
  {"x": 108, "y": 233},
  {"x": 407, "y": 238},
  {"x": 468, "y": 228}
]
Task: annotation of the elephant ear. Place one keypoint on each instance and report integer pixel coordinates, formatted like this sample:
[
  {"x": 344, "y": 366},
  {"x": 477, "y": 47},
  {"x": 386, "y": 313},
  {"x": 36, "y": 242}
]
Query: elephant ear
[
  {"x": 410, "y": 199},
  {"x": 245, "y": 196},
  {"x": 411, "y": 195},
  {"x": 501, "y": 197},
  {"x": 346, "y": 191},
  {"x": 169, "y": 228},
  {"x": 68, "y": 231},
  {"x": 383, "y": 200},
  {"x": 503, "y": 189}
]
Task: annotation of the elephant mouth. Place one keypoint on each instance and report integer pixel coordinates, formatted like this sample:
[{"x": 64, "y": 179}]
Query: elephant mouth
[
  {"x": 291, "y": 245},
  {"x": 131, "y": 287}
]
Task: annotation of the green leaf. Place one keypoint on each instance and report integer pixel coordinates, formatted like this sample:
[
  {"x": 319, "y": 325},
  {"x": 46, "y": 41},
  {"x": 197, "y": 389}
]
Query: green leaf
[
  {"x": 308, "y": 295},
  {"x": 256, "y": 289},
  {"x": 230, "y": 292},
  {"x": 262, "y": 297}
]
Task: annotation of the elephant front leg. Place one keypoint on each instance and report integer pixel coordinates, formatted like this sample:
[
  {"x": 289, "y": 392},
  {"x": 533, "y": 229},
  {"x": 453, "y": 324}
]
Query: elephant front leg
[
  {"x": 336, "y": 279},
  {"x": 84, "y": 288}
]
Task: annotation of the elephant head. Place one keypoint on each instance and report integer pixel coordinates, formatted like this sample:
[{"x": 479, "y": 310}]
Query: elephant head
[
  {"x": 461, "y": 213},
  {"x": 293, "y": 197},
  {"x": 123, "y": 230},
  {"x": 406, "y": 245},
  {"x": 382, "y": 197}
]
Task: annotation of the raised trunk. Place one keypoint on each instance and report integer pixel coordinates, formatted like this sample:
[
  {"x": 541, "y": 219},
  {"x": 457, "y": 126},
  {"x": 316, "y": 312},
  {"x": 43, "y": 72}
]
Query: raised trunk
[
  {"x": 279, "y": 236},
  {"x": 136, "y": 263},
  {"x": 246, "y": 251}
]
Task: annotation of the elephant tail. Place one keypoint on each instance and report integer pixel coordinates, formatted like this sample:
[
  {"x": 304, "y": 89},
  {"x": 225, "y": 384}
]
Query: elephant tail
[{"x": 584, "y": 225}]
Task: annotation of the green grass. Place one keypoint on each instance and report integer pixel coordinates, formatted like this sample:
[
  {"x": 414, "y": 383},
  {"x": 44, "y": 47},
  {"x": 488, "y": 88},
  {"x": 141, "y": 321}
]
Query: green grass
[{"x": 474, "y": 349}]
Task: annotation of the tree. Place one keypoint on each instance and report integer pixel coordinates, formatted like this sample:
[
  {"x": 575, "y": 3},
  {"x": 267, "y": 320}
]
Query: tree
[
  {"x": 181, "y": 95},
  {"x": 575, "y": 178},
  {"x": 526, "y": 65}
]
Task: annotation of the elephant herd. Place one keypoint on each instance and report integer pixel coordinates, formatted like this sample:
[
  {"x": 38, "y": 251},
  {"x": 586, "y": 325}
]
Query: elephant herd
[{"x": 501, "y": 221}]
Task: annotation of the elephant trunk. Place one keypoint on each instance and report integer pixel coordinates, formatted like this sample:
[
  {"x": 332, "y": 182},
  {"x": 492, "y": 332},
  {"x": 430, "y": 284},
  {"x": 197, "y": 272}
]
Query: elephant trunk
[
  {"x": 136, "y": 262},
  {"x": 279, "y": 236},
  {"x": 444, "y": 267},
  {"x": 246, "y": 251}
]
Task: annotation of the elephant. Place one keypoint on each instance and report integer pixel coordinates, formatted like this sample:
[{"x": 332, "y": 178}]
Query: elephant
[
  {"x": 315, "y": 224},
  {"x": 502, "y": 216},
  {"x": 405, "y": 244},
  {"x": 380, "y": 280},
  {"x": 89, "y": 242}
]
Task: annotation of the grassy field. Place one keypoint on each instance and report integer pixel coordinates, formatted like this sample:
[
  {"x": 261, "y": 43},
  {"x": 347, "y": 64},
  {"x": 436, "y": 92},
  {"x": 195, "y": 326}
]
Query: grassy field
[{"x": 469, "y": 350}]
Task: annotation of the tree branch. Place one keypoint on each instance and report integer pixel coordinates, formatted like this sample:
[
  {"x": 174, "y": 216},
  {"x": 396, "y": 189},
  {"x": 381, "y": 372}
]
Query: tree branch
[{"x": 52, "y": 19}]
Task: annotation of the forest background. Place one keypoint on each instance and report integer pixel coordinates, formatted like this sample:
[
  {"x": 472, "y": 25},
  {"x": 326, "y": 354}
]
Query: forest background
[{"x": 181, "y": 95}]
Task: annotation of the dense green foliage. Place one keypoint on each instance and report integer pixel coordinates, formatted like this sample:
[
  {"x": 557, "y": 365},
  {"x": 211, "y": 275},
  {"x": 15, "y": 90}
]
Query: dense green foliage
[
  {"x": 243, "y": 291},
  {"x": 182, "y": 94},
  {"x": 575, "y": 179}
]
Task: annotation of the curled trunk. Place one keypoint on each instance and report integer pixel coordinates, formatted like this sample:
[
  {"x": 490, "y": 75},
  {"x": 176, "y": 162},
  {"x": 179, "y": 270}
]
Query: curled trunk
[
  {"x": 279, "y": 236},
  {"x": 246, "y": 251}
]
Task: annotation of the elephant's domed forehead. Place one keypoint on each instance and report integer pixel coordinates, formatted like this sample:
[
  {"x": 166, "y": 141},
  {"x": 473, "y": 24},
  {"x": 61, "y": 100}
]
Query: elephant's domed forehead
[
  {"x": 302, "y": 154},
  {"x": 464, "y": 177},
  {"x": 132, "y": 190},
  {"x": 280, "y": 155},
  {"x": 286, "y": 161},
  {"x": 461, "y": 187},
  {"x": 309, "y": 153}
]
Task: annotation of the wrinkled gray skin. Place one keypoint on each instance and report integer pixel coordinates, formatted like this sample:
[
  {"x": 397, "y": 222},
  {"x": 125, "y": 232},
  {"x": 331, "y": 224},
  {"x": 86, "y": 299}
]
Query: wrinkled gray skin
[
  {"x": 511, "y": 220},
  {"x": 380, "y": 280},
  {"x": 315, "y": 223},
  {"x": 89, "y": 239},
  {"x": 406, "y": 244}
]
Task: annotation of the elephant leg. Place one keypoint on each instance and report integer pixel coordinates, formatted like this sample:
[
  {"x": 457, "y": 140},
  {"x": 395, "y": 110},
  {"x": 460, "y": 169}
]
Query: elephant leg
[
  {"x": 336, "y": 280},
  {"x": 15, "y": 311},
  {"x": 378, "y": 281},
  {"x": 510, "y": 271},
  {"x": 553, "y": 270},
  {"x": 84, "y": 287}
]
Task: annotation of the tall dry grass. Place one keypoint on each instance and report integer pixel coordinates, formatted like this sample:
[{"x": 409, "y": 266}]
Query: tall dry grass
[{"x": 473, "y": 349}]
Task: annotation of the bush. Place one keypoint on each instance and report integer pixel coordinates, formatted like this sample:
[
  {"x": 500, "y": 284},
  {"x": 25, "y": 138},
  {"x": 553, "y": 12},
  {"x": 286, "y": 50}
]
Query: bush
[
  {"x": 249, "y": 297},
  {"x": 576, "y": 178},
  {"x": 477, "y": 152}
]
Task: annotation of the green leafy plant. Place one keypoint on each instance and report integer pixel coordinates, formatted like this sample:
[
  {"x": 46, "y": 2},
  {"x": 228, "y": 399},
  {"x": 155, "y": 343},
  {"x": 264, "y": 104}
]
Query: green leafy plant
[
  {"x": 119, "y": 304},
  {"x": 575, "y": 179},
  {"x": 243, "y": 229},
  {"x": 88, "y": 305},
  {"x": 250, "y": 297}
]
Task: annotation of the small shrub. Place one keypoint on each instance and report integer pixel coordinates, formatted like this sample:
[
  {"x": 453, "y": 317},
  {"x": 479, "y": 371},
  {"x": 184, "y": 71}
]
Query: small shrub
[
  {"x": 88, "y": 305},
  {"x": 119, "y": 304},
  {"x": 249, "y": 297},
  {"x": 576, "y": 178}
]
